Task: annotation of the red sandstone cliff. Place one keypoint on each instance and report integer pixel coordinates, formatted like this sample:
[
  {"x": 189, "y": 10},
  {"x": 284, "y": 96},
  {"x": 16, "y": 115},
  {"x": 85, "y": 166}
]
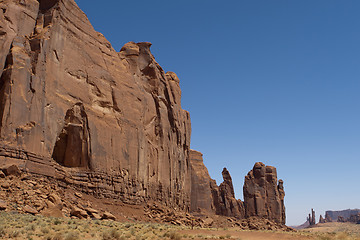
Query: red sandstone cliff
[
  {"x": 264, "y": 194},
  {"x": 111, "y": 123},
  {"x": 87, "y": 112}
]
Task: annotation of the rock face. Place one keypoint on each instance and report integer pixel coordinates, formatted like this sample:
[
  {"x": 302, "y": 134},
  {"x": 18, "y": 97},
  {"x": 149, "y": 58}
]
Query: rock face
[
  {"x": 201, "y": 198},
  {"x": 263, "y": 194},
  {"x": 327, "y": 217},
  {"x": 207, "y": 195},
  {"x": 224, "y": 200},
  {"x": 311, "y": 219},
  {"x": 73, "y": 108},
  {"x": 110, "y": 123},
  {"x": 344, "y": 214}
]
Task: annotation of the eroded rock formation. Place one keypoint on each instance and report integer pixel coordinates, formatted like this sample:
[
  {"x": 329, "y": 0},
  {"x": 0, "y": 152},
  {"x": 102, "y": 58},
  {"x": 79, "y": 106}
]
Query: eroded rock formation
[
  {"x": 73, "y": 108},
  {"x": 110, "y": 123},
  {"x": 207, "y": 195},
  {"x": 263, "y": 194},
  {"x": 224, "y": 200},
  {"x": 201, "y": 198},
  {"x": 311, "y": 219},
  {"x": 345, "y": 214}
]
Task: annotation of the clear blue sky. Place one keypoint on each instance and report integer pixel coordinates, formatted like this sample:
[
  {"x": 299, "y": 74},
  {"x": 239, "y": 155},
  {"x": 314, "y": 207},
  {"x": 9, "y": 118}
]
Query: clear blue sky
[{"x": 272, "y": 81}]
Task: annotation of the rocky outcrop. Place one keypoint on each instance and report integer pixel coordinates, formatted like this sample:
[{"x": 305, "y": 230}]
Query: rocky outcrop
[
  {"x": 109, "y": 123},
  {"x": 201, "y": 198},
  {"x": 207, "y": 196},
  {"x": 224, "y": 200},
  {"x": 263, "y": 194},
  {"x": 311, "y": 218},
  {"x": 344, "y": 214},
  {"x": 327, "y": 217},
  {"x": 73, "y": 108}
]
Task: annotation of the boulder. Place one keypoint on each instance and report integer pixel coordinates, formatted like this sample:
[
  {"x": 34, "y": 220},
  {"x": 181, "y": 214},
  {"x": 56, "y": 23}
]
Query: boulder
[
  {"x": 28, "y": 209},
  {"x": 55, "y": 199},
  {"x": 53, "y": 212},
  {"x": 93, "y": 213},
  {"x": 12, "y": 170},
  {"x": 109, "y": 216},
  {"x": 5, "y": 185},
  {"x": 78, "y": 212},
  {"x": 3, "y": 205}
]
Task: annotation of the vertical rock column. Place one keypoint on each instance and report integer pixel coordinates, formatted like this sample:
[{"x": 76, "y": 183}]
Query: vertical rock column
[
  {"x": 263, "y": 194},
  {"x": 201, "y": 198}
]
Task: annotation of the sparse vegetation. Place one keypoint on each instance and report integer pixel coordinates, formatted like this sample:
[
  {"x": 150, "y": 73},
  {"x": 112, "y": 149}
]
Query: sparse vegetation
[{"x": 19, "y": 226}]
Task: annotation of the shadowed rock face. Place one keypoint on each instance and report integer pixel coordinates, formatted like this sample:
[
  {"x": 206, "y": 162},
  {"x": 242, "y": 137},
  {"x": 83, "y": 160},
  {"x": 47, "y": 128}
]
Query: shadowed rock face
[
  {"x": 225, "y": 202},
  {"x": 72, "y": 147},
  {"x": 201, "y": 198},
  {"x": 110, "y": 118},
  {"x": 263, "y": 194},
  {"x": 207, "y": 196}
]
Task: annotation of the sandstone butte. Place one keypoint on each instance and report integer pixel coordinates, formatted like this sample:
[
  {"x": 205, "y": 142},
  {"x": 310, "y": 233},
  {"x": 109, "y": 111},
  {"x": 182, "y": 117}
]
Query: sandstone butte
[{"x": 75, "y": 110}]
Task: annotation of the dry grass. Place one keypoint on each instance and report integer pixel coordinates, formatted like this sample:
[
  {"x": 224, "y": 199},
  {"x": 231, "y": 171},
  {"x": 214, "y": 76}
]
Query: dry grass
[
  {"x": 22, "y": 226},
  {"x": 334, "y": 231},
  {"x": 28, "y": 227}
]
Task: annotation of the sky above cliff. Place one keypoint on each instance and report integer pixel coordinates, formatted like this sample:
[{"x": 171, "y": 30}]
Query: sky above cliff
[{"x": 271, "y": 81}]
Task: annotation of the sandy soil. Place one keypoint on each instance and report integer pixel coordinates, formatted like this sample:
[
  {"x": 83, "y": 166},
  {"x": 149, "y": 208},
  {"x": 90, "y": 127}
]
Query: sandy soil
[
  {"x": 336, "y": 227},
  {"x": 243, "y": 235}
]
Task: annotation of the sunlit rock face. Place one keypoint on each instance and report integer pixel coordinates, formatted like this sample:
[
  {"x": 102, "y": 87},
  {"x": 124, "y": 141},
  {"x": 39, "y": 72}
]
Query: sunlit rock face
[
  {"x": 73, "y": 108},
  {"x": 207, "y": 196},
  {"x": 108, "y": 122},
  {"x": 264, "y": 194}
]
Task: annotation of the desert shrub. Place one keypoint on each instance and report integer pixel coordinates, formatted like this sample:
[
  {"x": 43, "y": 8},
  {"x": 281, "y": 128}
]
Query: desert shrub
[
  {"x": 111, "y": 235},
  {"x": 2, "y": 231},
  {"x": 31, "y": 227},
  {"x": 14, "y": 234},
  {"x": 57, "y": 221},
  {"x": 72, "y": 236},
  {"x": 174, "y": 236},
  {"x": 325, "y": 237},
  {"x": 128, "y": 225},
  {"x": 58, "y": 236},
  {"x": 45, "y": 230}
]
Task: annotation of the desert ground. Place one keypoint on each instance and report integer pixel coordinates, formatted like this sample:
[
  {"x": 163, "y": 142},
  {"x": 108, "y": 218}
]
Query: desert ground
[{"x": 24, "y": 226}]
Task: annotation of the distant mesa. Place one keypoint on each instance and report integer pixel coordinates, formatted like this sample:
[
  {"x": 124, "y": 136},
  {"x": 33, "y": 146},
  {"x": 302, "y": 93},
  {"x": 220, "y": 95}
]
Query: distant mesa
[{"x": 348, "y": 215}]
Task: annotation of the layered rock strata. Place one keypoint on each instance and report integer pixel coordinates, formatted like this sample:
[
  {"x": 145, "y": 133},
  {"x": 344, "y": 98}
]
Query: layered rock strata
[
  {"x": 264, "y": 194},
  {"x": 73, "y": 108},
  {"x": 110, "y": 123}
]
